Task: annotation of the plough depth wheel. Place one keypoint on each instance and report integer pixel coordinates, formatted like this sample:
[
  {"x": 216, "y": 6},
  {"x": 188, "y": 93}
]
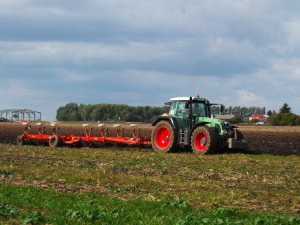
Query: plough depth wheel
[
  {"x": 21, "y": 139},
  {"x": 55, "y": 141}
]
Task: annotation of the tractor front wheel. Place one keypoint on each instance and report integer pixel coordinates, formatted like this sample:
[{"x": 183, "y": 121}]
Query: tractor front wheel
[
  {"x": 204, "y": 140},
  {"x": 163, "y": 137}
]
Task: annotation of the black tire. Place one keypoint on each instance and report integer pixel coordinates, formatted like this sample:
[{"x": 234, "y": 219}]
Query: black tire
[
  {"x": 21, "y": 140},
  {"x": 55, "y": 141},
  {"x": 163, "y": 137},
  {"x": 204, "y": 140}
]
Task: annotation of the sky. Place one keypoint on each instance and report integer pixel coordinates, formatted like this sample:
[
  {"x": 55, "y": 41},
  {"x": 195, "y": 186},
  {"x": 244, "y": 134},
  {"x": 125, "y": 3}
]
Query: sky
[{"x": 141, "y": 52}]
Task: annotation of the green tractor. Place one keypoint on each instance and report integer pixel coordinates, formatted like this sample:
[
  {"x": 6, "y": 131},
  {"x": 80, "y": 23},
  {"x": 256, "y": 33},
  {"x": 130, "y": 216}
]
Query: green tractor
[{"x": 190, "y": 123}]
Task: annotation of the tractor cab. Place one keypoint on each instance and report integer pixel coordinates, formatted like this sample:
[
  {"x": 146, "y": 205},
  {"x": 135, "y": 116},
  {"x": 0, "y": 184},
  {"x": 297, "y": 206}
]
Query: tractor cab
[
  {"x": 189, "y": 111},
  {"x": 180, "y": 107}
]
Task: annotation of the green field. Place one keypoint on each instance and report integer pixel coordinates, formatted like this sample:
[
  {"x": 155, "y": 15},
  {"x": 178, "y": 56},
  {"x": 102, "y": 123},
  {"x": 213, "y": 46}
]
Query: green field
[{"x": 137, "y": 186}]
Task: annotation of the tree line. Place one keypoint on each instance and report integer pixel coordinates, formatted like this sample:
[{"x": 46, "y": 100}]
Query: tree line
[
  {"x": 285, "y": 117},
  {"x": 243, "y": 112},
  {"x": 146, "y": 114},
  {"x": 120, "y": 112},
  {"x": 109, "y": 112}
]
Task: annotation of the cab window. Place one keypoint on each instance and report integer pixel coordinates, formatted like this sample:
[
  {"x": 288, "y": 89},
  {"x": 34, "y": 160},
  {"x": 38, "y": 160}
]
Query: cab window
[
  {"x": 181, "y": 110},
  {"x": 199, "y": 109},
  {"x": 173, "y": 108}
]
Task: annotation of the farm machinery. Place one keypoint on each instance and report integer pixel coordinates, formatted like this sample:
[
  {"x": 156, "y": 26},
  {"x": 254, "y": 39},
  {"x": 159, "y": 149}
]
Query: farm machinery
[
  {"x": 189, "y": 123},
  {"x": 56, "y": 139}
]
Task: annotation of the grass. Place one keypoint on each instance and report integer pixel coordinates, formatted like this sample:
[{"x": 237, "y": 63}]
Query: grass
[
  {"x": 30, "y": 205},
  {"x": 244, "y": 186}
]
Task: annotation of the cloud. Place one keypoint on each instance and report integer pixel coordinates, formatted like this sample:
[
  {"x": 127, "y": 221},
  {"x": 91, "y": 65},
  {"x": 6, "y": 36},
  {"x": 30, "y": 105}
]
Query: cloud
[
  {"x": 144, "y": 52},
  {"x": 250, "y": 98},
  {"x": 172, "y": 57}
]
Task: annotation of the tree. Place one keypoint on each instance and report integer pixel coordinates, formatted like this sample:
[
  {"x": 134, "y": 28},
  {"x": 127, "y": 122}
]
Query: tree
[
  {"x": 236, "y": 119},
  {"x": 285, "y": 108},
  {"x": 284, "y": 119},
  {"x": 70, "y": 112},
  {"x": 269, "y": 113},
  {"x": 105, "y": 112}
]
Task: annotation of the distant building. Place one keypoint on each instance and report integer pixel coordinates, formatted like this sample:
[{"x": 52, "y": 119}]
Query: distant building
[
  {"x": 259, "y": 117},
  {"x": 20, "y": 115}
]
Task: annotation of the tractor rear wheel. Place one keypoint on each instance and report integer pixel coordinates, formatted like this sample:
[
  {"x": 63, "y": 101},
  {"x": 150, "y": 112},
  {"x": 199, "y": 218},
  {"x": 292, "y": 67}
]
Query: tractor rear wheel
[
  {"x": 204, "y": 140},
  {"x": 163, "y": 137},
  {"x": 55, "y": 141},
  {"x": 21, "y": 140}
]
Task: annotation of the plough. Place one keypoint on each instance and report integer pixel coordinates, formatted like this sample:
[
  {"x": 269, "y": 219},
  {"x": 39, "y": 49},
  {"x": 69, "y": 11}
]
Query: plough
[{"x": 89, "y": 139}]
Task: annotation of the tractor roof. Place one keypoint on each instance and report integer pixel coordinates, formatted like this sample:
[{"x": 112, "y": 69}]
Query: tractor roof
[{"x": 188, "y": 98}]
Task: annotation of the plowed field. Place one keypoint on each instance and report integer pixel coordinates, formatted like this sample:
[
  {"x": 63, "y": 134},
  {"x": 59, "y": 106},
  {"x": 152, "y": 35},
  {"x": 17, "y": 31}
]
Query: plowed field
[{"x": 262, "y": 139}]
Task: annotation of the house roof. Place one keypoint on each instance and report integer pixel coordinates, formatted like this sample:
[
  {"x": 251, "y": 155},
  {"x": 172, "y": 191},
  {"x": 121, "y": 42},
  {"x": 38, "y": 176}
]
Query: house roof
[{"x": 259, "y": 116}]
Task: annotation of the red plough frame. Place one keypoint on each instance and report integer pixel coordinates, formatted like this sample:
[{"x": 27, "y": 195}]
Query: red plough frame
[{"x": 56, "y": 139}]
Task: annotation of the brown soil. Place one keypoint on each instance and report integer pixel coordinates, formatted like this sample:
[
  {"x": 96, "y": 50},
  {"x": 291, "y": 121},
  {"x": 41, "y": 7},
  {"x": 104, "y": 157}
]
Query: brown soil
[
  {"x": 270, "y": 142},
  {"x": 262, "y": 139}
]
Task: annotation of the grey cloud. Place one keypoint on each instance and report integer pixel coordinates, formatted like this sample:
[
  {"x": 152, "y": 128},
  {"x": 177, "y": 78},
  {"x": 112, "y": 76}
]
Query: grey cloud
[
  {"x": 143, "y": 52},
  {"x": 217, "y": 57},
  {"x": 140, "y": 20}
]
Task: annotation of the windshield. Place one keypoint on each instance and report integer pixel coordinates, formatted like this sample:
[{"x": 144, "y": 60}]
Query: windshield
[
  {"x": 179, "y": 109},
  {"x": 199, "y": 109}
]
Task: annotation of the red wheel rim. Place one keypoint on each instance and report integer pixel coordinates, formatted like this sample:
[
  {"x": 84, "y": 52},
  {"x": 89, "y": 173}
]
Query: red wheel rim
[
  {"x": 200, "y": 141},
  {"x": 163, "y": 136}
]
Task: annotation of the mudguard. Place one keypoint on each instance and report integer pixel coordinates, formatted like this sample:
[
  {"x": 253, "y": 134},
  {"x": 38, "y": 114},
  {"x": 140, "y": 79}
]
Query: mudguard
[
  {"x": 170, "y": 119},
  {"x": 199, "y": 124}
]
